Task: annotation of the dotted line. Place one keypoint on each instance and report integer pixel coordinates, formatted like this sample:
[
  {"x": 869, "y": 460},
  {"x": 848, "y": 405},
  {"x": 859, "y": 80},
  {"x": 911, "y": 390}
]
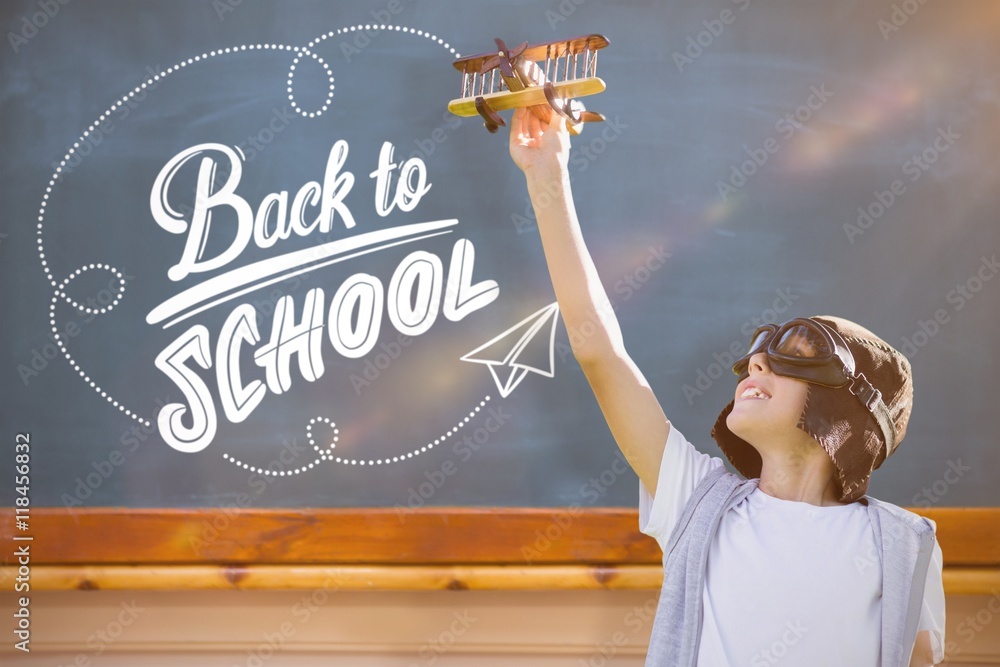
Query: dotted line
[
  {"x": 327, "y": 454},
  {"x": 418, "y": 451},
  {"x": 383, "y": 26},
  {"x": 324, "y": 455},
  {"x": 61, "y": 294}
]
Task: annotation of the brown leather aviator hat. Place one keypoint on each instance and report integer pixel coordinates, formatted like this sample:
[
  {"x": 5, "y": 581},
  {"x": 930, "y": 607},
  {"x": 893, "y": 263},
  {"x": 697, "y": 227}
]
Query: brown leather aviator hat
[{"x": 838, "y": 419}]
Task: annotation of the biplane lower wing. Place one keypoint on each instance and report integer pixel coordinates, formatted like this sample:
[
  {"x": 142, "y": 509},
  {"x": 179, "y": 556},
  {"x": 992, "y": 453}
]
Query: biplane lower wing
[{"x": 501, "y": 101}]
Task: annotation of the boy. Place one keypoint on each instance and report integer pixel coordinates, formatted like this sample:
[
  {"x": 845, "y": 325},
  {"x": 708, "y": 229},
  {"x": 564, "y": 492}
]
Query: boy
[{"x": 795, "y": 563}]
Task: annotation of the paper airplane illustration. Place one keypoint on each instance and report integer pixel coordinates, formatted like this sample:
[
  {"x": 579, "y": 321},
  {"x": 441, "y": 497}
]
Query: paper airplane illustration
[{"x": 520, "y": 349}]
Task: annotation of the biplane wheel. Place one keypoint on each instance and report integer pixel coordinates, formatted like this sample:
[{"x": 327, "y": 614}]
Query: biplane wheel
[{"x": 491, "y": 119}]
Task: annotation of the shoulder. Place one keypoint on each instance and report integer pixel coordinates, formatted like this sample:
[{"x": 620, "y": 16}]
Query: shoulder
[
  {"x": 720, "y": 487},
  {"x": 720, "y": 477},
  {"x": 902, "y": 516}
]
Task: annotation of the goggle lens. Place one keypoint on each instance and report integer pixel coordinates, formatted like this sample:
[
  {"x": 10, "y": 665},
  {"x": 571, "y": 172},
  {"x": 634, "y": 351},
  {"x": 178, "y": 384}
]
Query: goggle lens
[
  {"x": 759, "y": 342},
  {"x": 804, "y": 342}
]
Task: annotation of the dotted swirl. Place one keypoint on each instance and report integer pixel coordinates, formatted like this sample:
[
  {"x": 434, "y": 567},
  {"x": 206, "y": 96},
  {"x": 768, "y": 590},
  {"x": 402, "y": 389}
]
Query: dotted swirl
[
  {"x": 327, "y": 454},
  {"x": 291, "y": 86},
  {"x": 60, "y": 294}
]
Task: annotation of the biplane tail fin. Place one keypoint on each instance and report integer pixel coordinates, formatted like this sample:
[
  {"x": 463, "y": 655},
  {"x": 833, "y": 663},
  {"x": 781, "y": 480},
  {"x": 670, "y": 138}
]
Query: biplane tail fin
[
  {"x": 572, "y": 110},
  {"x": 591, "y": 117}
]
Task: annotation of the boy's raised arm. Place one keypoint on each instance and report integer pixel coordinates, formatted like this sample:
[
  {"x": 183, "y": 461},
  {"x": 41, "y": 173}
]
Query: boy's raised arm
[{"x": 634, "y": 416}]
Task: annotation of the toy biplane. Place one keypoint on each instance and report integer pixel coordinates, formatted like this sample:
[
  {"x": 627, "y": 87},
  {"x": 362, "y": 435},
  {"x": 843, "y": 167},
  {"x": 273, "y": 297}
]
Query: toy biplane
[{"x": 545, "y": 78}]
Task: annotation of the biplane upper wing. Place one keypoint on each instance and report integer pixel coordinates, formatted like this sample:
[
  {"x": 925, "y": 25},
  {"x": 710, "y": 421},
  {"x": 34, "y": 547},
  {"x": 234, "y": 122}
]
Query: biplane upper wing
[{"x": 538, "y": 52}]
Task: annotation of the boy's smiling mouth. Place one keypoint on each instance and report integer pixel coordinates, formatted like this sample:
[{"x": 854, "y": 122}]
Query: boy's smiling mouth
[{"x": 752, "y": 391}]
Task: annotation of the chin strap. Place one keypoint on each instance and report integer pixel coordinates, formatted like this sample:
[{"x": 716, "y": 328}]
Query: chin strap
[{"x": 872, "y": 400}]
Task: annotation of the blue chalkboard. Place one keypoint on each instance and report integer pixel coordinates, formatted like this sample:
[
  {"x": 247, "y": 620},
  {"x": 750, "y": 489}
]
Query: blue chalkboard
[{"x": 245, "y": 247}]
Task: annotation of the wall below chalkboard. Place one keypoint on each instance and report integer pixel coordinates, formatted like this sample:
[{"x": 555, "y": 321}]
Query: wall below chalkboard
[{"x": 450, "y": 628}]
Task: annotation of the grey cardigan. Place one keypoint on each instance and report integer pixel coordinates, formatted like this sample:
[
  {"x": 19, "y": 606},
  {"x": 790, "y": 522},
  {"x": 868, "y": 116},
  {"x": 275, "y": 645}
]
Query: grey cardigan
[{"x": 905, "y": 542}]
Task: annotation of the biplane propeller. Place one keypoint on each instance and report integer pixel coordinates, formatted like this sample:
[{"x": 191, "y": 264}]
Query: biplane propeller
[
  {"x": 544, "y": 78},
  {"x": 503, "y": 58}
]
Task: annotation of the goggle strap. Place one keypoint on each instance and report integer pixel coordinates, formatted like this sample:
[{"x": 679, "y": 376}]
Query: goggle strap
[{"x": 872, "y": 400}]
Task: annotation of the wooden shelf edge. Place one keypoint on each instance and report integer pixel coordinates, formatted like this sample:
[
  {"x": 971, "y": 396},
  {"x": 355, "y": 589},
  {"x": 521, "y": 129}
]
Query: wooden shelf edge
[
  {"x": 337, "y": 577},
  {"x": 957, "y": 580},
  {"x": 526, "y": 537}
]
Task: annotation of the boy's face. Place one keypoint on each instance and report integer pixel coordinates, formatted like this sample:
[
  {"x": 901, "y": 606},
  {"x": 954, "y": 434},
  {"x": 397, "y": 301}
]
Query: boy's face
[{"x": 768, "y": 406}]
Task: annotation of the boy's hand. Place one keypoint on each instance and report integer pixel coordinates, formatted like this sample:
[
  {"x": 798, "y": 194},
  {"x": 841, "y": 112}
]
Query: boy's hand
[{"x": 539, "y": 149}]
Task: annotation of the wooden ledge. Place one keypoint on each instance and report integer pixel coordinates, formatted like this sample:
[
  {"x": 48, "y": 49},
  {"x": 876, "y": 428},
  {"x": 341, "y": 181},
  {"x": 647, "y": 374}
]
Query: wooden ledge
[
  {"x": 957, "y": 580},
  {"x": 521, "y": 537}
]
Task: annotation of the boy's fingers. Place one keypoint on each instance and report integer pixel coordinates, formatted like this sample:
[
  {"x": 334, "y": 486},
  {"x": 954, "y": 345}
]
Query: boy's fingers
[
  {"x": 516, "y": 121},
  {"x": 520, "y": 132},
  {"x": 558, "y": 124},
  {"x": 534, "y": 125},
  {"x": 515, "y": 128}
]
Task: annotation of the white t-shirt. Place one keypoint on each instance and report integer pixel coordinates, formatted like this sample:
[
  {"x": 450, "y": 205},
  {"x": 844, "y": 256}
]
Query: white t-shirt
[{"x": 785, "y": 579}]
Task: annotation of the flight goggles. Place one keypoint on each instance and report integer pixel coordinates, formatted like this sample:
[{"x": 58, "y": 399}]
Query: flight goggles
[{"x": 806, "y": 349}]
